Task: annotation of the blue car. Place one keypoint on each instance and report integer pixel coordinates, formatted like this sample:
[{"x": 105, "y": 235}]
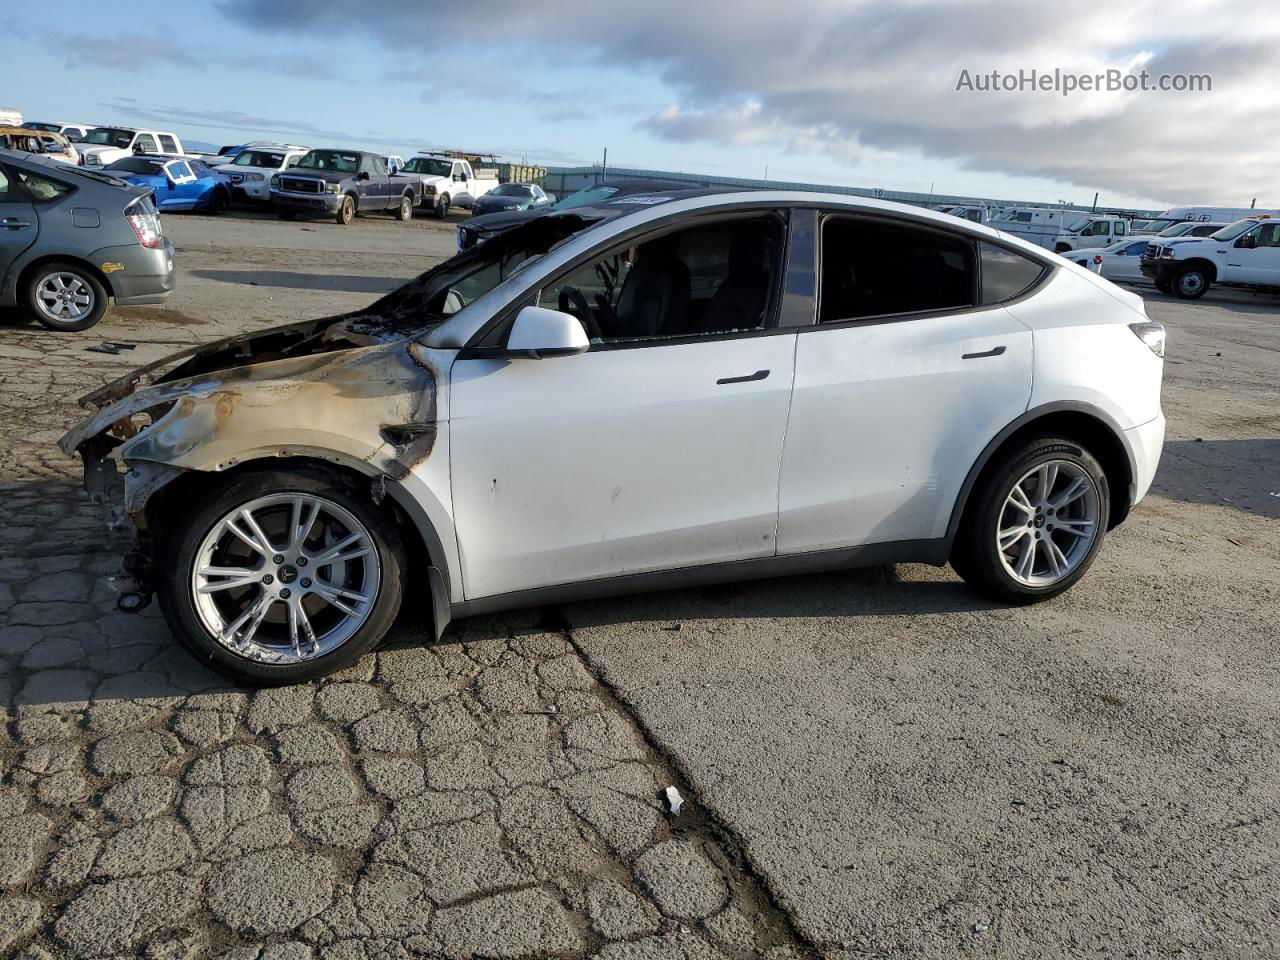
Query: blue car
[{"x": 180, "y": 183}]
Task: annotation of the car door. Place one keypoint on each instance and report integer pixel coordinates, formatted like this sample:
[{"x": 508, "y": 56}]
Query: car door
[
  {"x": 1126, "y": 262},
  {"x": 380, "y": 184},
  {"x": 1254, "y": 257},
  {"x": 655, "y": 449},
  {"x": 19, "y": 224},
  {"x": 912, "y": 368},
  {"x": 462, "y": 185},
  {"x": 185, "y": 190}
]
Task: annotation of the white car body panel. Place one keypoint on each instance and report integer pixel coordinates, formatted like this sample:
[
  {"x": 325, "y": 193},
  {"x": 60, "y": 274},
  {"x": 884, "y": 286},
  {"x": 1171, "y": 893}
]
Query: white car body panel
[
  {"x": 904, "y": 391},
  {"x": 616, "y": 461},
  {"x": 257, "y": 189}
]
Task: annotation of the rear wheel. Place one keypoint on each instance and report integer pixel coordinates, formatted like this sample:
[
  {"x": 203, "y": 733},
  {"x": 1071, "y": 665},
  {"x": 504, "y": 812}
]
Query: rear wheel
[
  {"x": 346, "y": 211},
  {"x": 1190, "y": 283},
  {"x": 66, "y": 297},
  {"x": 1034, "y": 522},
  {"x": 405, "y": 211},
  {"x": 442, "y": 207},
  {"x": 281, "y": 576}
]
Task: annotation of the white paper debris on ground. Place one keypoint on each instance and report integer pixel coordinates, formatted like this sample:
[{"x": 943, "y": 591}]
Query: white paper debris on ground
[{"x": 674, "y": 800}]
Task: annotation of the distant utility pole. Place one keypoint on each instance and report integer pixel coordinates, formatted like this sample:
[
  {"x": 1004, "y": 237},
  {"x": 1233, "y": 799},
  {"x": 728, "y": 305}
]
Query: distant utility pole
[
  {"x": 604, "y": 163},
  {"x": 766, "y": 171},
  {"x": 1095, "y": 201},
  {"x": 1253, "y": 203}
]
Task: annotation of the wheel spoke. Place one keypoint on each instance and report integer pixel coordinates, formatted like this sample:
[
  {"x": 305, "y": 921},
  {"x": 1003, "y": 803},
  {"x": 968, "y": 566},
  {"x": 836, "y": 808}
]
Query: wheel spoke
[
  {"x": 252, "y": 615},
  {"x": 304, "y": 518},
  {"x": 1019, "y": 499},
  {"x": 334, "y": 554},
  {"x": 1076, "y": 528},
  {"x": 1075, "y": 490},
  {"x": 1011, "y": 535},
  {"x": 1027, "y": 560},
  {"x": 233, "y": 577},
  {"x": 1048, "y": 476},
  {"x": 1058, "y": 562},
  {"x": 262, "y": 538}
]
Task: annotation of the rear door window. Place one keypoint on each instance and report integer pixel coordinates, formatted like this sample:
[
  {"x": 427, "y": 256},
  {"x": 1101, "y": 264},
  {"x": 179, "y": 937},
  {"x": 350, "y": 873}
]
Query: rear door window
[
  {"x": 168, "y": 144},
  {"x": 872, "y": 269},
  {"x": 42, "y": 189},
  {"x": 145, "y": 143}
]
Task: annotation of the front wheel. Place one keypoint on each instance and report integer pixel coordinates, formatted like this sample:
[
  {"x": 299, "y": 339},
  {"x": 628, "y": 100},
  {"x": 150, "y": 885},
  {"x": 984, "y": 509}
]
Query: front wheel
[
  {"x": 442, "y": 208},
  {"x": 218, "y": 203},
  {"x": 281, "y": 576},
  {"x": 1190, "y": 283},
  {"x": 66, "y": 297},
  {"x": 1062, "y": 248},
  {"x": 1034, "y": 522},
  {"x": 346, "y": 211},
  {"x": 405, "y": 211}
]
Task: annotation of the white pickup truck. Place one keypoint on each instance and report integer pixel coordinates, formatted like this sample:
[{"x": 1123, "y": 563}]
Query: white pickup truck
[
  {"x": 105, "y": 145},
  {"x": 1091, "y": 231},
  {"x": 446, "y": 181},
  {"x": 1243, "y": 254}
]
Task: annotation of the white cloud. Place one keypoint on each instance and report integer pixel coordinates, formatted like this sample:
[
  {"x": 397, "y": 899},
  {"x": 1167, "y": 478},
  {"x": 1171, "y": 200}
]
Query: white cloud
[{"x": 867, "y": 80}]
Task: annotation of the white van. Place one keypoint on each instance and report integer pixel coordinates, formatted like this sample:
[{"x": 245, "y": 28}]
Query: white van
[
  {"x": 1091, "y": 230},
  {"x": 1038, "y": 225},
  {"x": 1220, "y": 214}
]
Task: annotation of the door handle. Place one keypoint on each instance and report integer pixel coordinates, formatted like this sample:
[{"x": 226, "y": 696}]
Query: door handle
[
  {"x": 758, "y": 375},
  {"x": 13, "y": 223},
  {"x": 993, "y": 352}
]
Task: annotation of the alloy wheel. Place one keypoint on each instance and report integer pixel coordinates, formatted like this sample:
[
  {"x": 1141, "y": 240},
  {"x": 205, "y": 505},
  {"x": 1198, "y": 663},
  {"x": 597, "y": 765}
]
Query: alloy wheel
[
  {"x": 285, "y": 578},
  {"x": 64, "y": 297},
  {"x": 1048, "y": 524}
]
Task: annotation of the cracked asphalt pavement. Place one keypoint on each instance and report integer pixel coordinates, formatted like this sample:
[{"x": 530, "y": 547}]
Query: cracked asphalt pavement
[{"x": 874, "y": 763}]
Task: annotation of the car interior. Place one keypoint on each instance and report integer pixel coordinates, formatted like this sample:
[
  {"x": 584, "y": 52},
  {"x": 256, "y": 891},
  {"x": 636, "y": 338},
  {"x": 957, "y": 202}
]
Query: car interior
[
  {"x": 871, "y": 269},
  {"x": 706, "y": 280}
]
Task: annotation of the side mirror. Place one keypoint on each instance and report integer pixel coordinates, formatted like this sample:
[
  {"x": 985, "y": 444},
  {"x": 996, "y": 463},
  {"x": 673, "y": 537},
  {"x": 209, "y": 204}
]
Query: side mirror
[
  {"x": 362, "y": 175},
  {"x": 539, "y": 332}
]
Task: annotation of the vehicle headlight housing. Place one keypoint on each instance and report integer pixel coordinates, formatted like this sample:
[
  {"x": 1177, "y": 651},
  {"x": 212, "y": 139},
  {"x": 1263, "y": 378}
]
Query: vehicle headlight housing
[
  {"x": 254, "y": 176},
  {"x": 335, "y": 188},
  {"x": 275, "y": 181},
  {"x": 429, "y": 191}
]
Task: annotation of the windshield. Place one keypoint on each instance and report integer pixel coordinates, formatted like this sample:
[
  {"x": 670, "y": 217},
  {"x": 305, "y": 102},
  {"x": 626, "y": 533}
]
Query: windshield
[
  {"x": 338, "y": 160},
  {"x": 1078, "y": 224},
  {"x": 109, "y": 136},
  {"x": 513, "y": 190},
  {"x": 1233, "y": 230},
  {"x": 431, "y": 166},
  {"x": 47, "y": 127},
  {"x": 584, "y": 198},
  {"x": 258, "y": 158},
  {"x": 136, "y": 165},
  {"x": 1158, "y": 226},
  {"x": 1177, "y": 230}
]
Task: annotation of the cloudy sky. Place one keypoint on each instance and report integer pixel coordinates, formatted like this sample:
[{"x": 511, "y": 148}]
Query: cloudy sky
[{"x": 860, "y": 92}]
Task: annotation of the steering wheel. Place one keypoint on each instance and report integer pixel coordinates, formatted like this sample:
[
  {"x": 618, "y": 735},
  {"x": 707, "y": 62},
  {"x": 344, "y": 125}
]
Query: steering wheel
[{"x": 582, "y": 310}]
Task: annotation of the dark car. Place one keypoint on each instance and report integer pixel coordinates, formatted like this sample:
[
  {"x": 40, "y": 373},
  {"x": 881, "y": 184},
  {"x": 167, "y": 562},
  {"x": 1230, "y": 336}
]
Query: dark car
[
  {"x": 512, "y": 196},
  {"x": 481, "y": 228},
  {"x": 342, "y": 184},
  {"x": 73, "y": 239}
]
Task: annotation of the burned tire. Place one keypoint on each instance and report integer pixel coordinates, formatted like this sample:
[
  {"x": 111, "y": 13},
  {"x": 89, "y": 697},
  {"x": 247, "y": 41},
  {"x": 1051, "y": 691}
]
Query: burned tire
[
  {"x": 280, "y": 575},
  {"x": 442, "y": 207},
  {"x": 1190, "y": 283},
  {"x": 404, "y": 212},
  {"x": 1034, "y": 522},
  {"x": 65, "y": 297},
  {"x": 346, "y": 210}
]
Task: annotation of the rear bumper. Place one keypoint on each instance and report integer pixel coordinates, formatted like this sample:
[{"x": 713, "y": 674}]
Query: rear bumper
[
  {"x": 137, "y": 274},
  {"x": 1145, "y": 444}
]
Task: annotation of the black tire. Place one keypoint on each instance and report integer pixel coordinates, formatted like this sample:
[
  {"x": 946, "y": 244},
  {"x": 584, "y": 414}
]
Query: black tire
[
  {"x": 404, "y": 212},
  {"x": 218, "y": 203},
  {"x": 1062, "y": 248},
  {"x": 187, "y": 525},
  {"x": 46, "y": 316},
  {"x": 1190, "y": 283},
  {"x": 976, "y": 555},
  {"x": 286, "y": 214},
  {"x": 346, "y": 210},
  {"x": 1163, "y": 286},
  {"x": 442, "y": 207}
]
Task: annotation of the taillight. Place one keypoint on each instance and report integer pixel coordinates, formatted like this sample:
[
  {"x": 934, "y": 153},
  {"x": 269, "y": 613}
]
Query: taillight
[{"x": 145, "y": 224}]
